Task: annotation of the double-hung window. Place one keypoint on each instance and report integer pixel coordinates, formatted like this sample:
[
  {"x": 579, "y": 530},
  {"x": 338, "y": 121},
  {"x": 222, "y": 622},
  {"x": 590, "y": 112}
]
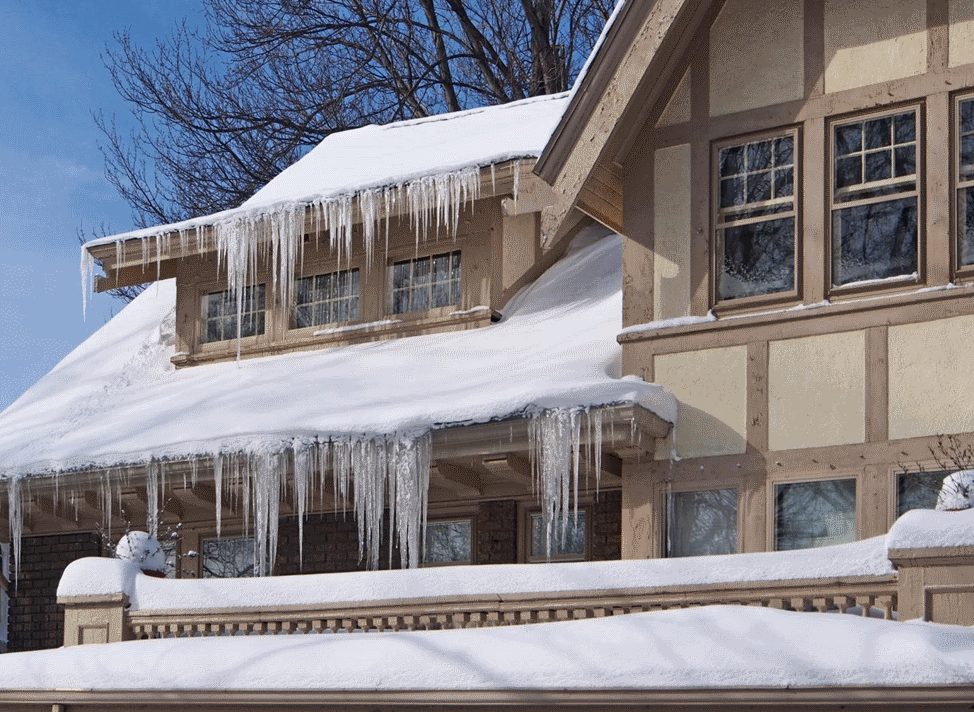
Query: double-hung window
[
  {"x": 965, "y": 182},
  {"x": 326, "y": 299},
  {"x": 756, "y": 217},
  {"x": 220, "y": 314},
  {"x": 875, "y": 197},
  {"x": 426, "y": 282}
]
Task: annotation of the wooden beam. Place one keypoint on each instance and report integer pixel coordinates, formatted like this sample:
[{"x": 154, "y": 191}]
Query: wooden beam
[
  {"x": 461, "y": 480},
  {"x": 130, "y": 276}
]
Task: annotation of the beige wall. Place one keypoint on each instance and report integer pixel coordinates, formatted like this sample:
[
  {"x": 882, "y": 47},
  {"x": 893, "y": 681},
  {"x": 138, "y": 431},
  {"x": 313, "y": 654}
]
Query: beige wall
[
  {"x": 931, "y": 389},
  {"x": 677, "y": 111},
  {"x": 961, "y": 15},
  {"x": 817, "y": 391},
  {"x": 711, "y": 387},
  {"x": 671, "y": 232},
  {"x": 872, "y": 41},
  {"x": 756, "y": 63}
]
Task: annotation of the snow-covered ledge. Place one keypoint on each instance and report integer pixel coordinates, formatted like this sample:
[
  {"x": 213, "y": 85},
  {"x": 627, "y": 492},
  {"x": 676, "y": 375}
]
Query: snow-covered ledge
[{"x": 934, "y": 554}]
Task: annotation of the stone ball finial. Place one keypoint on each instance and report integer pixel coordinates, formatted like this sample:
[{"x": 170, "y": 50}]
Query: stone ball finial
[{"x": 957, "y": 491}]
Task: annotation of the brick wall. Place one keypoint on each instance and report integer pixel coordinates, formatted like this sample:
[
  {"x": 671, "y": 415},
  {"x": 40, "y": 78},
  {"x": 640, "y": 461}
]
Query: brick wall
[
  {"x": 330, "y": 545},
  {"x": 607, "y": 526},
  {"x": 497, "y": 532},
  {"x": 36, "y": 621}
]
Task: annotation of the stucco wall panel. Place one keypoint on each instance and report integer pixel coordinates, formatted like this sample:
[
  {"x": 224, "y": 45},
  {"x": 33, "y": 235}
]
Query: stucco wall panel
[
  {"x": 930, "y": 386},
  {"x": 756, "y": 56},
  {"x": 817, "y": 391},
  {"x": 711, "y": 388},
  {"x": 961, "y": 35},
  {"x": 677, "y": 111},
  {"x": 671, "y": 232},
  {"x": 872, "y": 41}
]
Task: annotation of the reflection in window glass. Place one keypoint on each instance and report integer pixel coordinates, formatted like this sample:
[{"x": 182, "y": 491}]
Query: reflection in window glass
[
  {"x": 565, "y": 543},
  {"x": 170, "y": 548},
  {"x": 702, "y": 523},
  {"x": 326, "y": 298},
  {"x": 875, "y": 213},
  {"x": 965, "y": 181},
  {"x": 232, "y": 557},
  {"x": 918, "y": 490},
  {"x": 812, "y": 514},
  {"x": 220, "y": 314},
  {"x": 755, "y": 239},
  {"x": 448, "y": 542},
  {"x": 426, "y": 282}
]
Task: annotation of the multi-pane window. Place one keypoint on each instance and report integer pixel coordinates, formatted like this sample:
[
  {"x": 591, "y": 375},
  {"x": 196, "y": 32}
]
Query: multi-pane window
[
  {"x": 220, "y": 314},
  {"x": 448, "y": 542},
  {"x": 812, "y": 514},
  {"x": 326, "y": 298},
  {"x": 702, "y": 523},
  {"x": 875, "y": 198},
  {"x": 756, "y": 217},
  {"x": 426, "y": 282},
  {"x": 566, "y": 539},
  {"x": 918, "y": 490},
  {"x": 965, "y": 182}
]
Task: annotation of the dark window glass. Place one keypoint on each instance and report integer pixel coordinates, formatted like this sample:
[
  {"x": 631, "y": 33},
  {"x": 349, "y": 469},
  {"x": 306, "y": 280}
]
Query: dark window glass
[
  {"x": 220, "y": 318},
  {"x": 326, "y": 299},
  {"x": 565, "y": 543},
  {"x": 874, "y": 241},
  {"x": 812, "y": 514},
  {"x": 702, "y": 523},
  {"x": 448, "y": 542},
  {"x": 918, "y": 490},
  {"x": 426, "y": 282}
]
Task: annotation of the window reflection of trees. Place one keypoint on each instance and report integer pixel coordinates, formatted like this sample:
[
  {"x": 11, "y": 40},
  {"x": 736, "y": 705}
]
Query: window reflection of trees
[
  {"x": 448, "y": 542},
  {"x": 811, "y": 514},
  {"x": 233, "y": 557},
  {"x": 702, "y": 523},
  {"x": 918, "y": 490}
]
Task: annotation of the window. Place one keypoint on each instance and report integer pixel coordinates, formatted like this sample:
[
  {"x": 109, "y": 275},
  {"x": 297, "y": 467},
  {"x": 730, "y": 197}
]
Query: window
[
  {"x": 965, "y": 182},
  {"x": 811, "y": 514},
  {"x": 426, "y": 282},
  {"x": 918, "y": 490},
  {"x": 220, "y": 314},
  {"x": 875, "y": 198},
  {"x": 326, "y": 298},
  {"x": 702, "y": 523},
  {"x": 448, "y": 542},
  {"x": 231, "y": 557},
  {"x": 756, "y": 217},
  {"x": 566, "y": 543}
]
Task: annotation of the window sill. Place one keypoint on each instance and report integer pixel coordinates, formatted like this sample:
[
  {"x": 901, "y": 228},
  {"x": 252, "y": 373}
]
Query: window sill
[
  {"x": 859, "y": 304},
  {"x": 308, "y": 339}
]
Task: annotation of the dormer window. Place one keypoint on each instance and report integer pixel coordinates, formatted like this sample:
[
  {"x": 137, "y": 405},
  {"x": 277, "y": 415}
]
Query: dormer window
[
  {"x": 220, "y": 314},
  {"x": 326, "y": 299},
  {"x": 426, "y": 282}
]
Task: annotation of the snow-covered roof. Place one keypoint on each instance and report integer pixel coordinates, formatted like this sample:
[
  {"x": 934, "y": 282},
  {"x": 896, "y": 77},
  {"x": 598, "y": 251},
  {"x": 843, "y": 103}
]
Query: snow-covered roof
[
  {"x": 704, "y": 648},
  {"x": 118, "y": 399},
  {"x": 348, "y": 162}
]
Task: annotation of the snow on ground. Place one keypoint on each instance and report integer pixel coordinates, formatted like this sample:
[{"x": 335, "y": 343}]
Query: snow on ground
[
  {"x": 395, "y": 154},
  {"x": 710, "y": 647},
  {"x": 93, "y": 577},
  {"x": 930, "y": 529},
  {"x": 118, "y": 399}
]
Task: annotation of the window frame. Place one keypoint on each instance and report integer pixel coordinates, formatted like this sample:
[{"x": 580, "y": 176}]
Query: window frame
[
  {"x": 292, "y": 307},
  {"x": 716, "y": 225},
  {"x": 429, "y": 254},
  {"x": 772, "y": 502},
  {"x": 203, "y": 292},
  {"x": 528, "y": 514},
  {"x": 832, "y": 205},
  {"x": 960, "y": 270},
  {"x": 473, "y": 540},
  {"x": 666, "y": 509}
]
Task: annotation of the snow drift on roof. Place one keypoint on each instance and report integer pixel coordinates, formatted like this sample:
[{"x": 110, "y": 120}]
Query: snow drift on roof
[
  {"x": 708, "y": 647},
  {"x": 118, "y": 399}
]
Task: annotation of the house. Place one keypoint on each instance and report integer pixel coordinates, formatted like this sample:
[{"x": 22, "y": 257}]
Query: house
[{"x": 795, "y": 310}]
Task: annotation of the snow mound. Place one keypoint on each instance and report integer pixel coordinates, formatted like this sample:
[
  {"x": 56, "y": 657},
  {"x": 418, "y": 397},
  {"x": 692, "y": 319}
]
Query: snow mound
[
  {"x": 141, "y": 549},
  {"x": 957, "y": 491},
  {"x": 932, "y": 529}
]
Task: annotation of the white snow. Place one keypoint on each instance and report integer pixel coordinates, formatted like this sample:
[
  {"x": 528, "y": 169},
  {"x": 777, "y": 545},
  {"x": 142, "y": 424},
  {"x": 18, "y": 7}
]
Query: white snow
[
  {"x": 930, "y": 529},
  {"x": 94, "y": 576},
  {"x": 957, "y": 491},
  {"x": 142, "y": 550},
  {"x": 709, "y": 647}
]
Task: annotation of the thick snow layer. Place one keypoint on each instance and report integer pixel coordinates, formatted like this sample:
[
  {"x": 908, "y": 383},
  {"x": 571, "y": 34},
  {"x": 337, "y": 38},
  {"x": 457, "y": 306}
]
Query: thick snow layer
[
  {"x": 93, "y": 577},
  {"x": 931, "y": 529},
  {"x": 118, "y": 399},
  {"x": 710, "y": 647},
  {"x": 957, "y": 491},
  {"x": 395, "y": 154}
]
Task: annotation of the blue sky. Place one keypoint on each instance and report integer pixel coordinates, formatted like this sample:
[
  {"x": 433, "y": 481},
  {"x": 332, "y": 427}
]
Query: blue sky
[{"x": 51, "y": 172}]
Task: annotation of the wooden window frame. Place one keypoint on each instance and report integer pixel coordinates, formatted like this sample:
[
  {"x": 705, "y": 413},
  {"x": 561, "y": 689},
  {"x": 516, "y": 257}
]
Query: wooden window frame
[
  {"x": 758, "y": 300},
  {"x": 887, "y": 284},
  {"x": 667, "y": 500},
  {"x": 772, "y": 502},
  {"x": 526, "y": 527},
  {"x": 961, "y": 271},
  {"x": 431, "y": 310},
  {"x": 473, "y": 541},
  {"x": 203, "y": 345},
  {"x": 292, "y": 307}
]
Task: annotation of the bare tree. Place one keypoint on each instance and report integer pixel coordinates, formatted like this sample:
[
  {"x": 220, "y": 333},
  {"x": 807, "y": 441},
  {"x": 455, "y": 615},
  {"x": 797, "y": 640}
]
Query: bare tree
[{"x": 218, "y": 111}]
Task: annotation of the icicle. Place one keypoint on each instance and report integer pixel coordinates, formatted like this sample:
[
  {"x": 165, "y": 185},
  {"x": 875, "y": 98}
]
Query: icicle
[
  {"x": 87, "y": 278},
  {"x": 303, "y": 472},
  {"x": 152, "y": 498},
  {"x": 266, "y": 471},
  {"x": 15, "y": 505},
  {"x": 218, "y": 489}
]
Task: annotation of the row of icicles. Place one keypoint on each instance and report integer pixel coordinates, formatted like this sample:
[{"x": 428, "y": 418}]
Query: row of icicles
[{"x": 370, "y": 475}]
